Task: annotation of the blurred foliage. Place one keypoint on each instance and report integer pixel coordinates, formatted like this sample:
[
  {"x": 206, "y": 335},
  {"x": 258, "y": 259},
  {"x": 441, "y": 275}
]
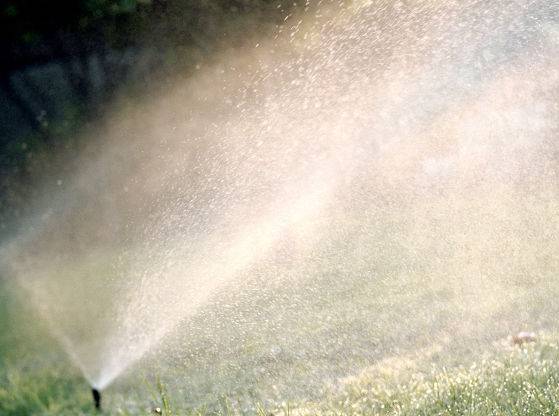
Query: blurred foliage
[
  {"x": 68, "y": 33},
  {"x": 35, "y": 31}
]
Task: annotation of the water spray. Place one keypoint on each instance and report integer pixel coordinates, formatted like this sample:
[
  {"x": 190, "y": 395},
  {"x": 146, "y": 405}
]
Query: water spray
[
  {"x": 393, "y": 138},
  {"x": 96, "y": 398}
]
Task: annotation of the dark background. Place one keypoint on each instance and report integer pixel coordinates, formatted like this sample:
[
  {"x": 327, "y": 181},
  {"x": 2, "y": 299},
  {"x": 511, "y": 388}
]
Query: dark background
[{"x": 63, "y": 62}]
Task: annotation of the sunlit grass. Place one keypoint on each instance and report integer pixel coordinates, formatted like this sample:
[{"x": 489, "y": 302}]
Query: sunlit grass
[
  {"x": 524, "y": 381},
  {"x": 441, "y": 374},
  {"x": 512, "y": 380}
]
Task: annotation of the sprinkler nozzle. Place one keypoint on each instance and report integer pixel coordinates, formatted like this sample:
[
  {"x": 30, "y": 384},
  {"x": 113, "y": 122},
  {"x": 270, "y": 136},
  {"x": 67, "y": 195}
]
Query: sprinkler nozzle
[{"x": 96, "y": 398}]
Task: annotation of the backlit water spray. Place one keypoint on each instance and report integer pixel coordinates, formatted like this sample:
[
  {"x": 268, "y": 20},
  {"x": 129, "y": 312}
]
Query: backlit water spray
[{"x": 385, "y": 143}]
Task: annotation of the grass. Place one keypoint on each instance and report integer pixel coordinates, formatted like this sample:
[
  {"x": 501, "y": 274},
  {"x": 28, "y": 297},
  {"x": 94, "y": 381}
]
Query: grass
[
  {"x": 397, "y": 346},
  {"x": 500, "y": 380},
  {"x": 43, "y": 391},
  {"x": 514, "y": 381},
  {"x": 524, "y": 381},
  {"x": 438, "y": 374}
]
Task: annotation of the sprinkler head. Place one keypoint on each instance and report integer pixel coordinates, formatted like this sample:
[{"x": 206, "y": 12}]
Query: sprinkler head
[{"x": 96, "y": 398}]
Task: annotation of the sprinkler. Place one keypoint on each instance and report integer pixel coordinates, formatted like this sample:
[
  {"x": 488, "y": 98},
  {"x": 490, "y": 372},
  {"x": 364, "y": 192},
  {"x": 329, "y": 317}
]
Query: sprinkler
[{"x": 96, "y": 398}]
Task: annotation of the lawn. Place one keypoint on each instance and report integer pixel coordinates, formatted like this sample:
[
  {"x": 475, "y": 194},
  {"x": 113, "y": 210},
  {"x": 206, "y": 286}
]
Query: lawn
[{"x": 442, "y": 367}]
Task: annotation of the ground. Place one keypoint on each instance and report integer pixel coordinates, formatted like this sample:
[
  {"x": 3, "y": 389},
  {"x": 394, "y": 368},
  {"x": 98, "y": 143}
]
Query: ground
[{"x": 503, "y": 379}]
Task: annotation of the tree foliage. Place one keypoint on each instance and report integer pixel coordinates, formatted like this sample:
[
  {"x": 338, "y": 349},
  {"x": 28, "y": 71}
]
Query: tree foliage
[{"x": 89, "y": 40}]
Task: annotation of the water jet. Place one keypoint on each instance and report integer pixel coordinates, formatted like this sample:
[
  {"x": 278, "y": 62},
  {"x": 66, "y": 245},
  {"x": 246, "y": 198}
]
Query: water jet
[{"x": 392, "y": 161}]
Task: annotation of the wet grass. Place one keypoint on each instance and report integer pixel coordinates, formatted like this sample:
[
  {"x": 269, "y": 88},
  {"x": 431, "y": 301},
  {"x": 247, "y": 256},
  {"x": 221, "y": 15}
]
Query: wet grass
[
  {"x": 524, "y": 381},
  {"x": 42, "y": 391},
  {"x": 507, "y": 380},
  {"x": 516, "y": 381},
  {"x": 446, "y": 374}
]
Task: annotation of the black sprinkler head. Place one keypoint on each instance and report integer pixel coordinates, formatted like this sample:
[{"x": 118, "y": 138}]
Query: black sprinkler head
[{"x": 96, "y": 398}]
